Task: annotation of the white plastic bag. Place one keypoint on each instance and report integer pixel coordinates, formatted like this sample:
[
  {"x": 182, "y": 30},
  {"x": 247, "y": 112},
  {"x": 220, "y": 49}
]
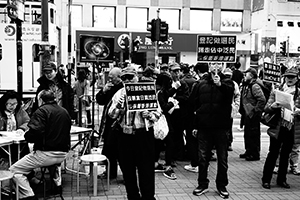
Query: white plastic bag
[{"x": 161, "y": 128}]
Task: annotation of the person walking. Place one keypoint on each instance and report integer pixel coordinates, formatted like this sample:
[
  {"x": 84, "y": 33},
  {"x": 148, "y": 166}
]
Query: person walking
[
  {"x": 135, "y": 143},
  {"x": 212, "y": 107},
  {"x": 286, "y": 133},
  {"x": 49, "y": 130},
  {"x": 252, "y": 104}
]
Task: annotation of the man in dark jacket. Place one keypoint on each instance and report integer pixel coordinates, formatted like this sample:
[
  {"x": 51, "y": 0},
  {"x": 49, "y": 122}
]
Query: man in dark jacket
[
  {"x": 54, "y": 81},
  {"x": 104, "y": 97},
  {"x": 252, "y": 105},
  {"x": 212, "y": 108},
  {"x": 49, "y": 130}
]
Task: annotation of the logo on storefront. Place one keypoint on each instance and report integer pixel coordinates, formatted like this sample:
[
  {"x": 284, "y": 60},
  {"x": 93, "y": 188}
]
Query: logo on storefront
[
  {"x": 10, "y": 30},
  {"x": 124, "y": 41}
]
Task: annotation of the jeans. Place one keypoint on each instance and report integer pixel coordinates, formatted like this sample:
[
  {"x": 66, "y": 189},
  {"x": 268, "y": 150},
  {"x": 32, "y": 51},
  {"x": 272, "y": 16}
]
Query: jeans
[
  {"x": 207, "y": 138},
  {"x": 294, "y": 156},
  {"x": 32, "y": 161}
]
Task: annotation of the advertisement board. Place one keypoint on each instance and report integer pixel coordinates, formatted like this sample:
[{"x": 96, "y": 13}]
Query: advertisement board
[
  {"x": 141, "y": 96},
  {"x": 96, "y": 48},
  {"x": 216, "y": 48}
]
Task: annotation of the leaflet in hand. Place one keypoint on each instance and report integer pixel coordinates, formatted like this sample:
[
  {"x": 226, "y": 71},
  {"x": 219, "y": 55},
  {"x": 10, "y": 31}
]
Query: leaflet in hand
[{"x": 284, "y": 99}]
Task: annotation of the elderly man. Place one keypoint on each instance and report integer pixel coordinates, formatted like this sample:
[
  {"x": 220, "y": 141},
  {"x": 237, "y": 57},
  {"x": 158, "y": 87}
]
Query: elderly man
[
  {"x": 212, "y": 108},
  {"x": 103, "y": 97},
  {"x": 135, "y": 143},
  {"x": 49, "y": 130}
]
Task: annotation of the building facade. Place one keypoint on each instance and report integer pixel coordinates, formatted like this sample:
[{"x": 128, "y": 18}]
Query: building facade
[{"x": 186, "y": 18}]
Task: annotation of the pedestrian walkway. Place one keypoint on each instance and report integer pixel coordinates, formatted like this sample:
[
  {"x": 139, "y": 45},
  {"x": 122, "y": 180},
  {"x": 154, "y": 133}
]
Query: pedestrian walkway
[{"x": 244, "y": 180}]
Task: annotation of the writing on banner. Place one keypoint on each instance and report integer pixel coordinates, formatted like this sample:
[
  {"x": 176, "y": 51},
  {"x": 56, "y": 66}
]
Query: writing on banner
[
  {"x": 141, "y": 96},
  {"x": 216, "y": 48},
  {"x": 271, "y": 73}
]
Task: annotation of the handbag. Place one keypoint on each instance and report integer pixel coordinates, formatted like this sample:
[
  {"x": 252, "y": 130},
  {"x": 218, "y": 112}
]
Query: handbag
[
  {"x": 161, "y": 128},
  {"x": 270, "y": 119}
]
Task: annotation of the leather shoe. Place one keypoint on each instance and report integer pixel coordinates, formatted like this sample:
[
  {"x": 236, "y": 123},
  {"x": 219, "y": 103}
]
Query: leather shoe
[
  {"x": 284, "y": 185},
  {"x": 266, "y": 185},
  {"x": 252, "y": 158},
  {"x": 243, "y": 155}
]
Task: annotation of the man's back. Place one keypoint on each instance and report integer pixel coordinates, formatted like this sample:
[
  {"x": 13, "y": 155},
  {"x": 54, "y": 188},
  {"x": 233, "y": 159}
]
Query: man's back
[{"x": 51, "y": 124}]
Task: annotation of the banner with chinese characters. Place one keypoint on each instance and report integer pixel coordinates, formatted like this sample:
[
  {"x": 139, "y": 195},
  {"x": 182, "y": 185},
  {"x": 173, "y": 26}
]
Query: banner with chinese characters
[
  {"x": 271, "y": 73},
  {"x": 141, "y": 96},
  {"x": 216, "y": 48}
]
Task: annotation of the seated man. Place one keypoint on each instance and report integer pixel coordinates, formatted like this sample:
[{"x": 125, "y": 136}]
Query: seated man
[{"x": 49, "y": 130}]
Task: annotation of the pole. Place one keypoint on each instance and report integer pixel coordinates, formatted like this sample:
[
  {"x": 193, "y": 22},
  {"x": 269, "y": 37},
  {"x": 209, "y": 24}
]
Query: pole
[
  {"x": 69, "y": 42},
  {"x": 288, "y": 47},
  {"x": 156, "y": 45},
  {"x": 45, "y": 57},
  {"x": 19, "y": 59}
]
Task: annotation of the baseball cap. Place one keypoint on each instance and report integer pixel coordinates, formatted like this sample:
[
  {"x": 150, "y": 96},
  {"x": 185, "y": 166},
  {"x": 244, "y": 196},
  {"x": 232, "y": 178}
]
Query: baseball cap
[
  {"x": 128, "y": 70},
  {"x": 227, "y": 71},
  {"x": 49, "y": 66},
  {"x": 293, "y": 71},
  {"x": 174, "y": 66},
  {"x": 252, "y": 71}
]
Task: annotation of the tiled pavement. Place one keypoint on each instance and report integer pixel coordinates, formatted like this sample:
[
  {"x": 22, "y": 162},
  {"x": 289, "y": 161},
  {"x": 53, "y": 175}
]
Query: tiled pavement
[{"x": 244, "y": 180}]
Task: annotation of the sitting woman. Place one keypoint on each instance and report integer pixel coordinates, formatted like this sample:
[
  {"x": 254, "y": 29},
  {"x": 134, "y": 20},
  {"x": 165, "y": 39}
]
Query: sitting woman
[{"x": 12, "y": 118}]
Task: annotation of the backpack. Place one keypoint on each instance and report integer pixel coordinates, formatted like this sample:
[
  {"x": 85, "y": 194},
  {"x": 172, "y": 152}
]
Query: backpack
[{"x": 264, "y": 87}]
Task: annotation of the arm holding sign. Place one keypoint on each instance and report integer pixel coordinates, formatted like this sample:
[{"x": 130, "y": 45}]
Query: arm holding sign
[{"x": 117, "y": 107}]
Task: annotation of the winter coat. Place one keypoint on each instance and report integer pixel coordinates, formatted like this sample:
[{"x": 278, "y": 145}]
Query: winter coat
[
  {"x": 296, "y": 127},
  {"x": 67, "y": 93},
  {"x": 252, "y": 99},
  {"x": 212, "y": 103},
  {"x": 49, "y": 128}
]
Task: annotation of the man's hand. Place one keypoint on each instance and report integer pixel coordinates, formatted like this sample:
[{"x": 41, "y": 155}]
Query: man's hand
[
  {"x": 195, "y": 132},
  {"x": 107, "y": 86},
  {"x": 217, "y": 80}
]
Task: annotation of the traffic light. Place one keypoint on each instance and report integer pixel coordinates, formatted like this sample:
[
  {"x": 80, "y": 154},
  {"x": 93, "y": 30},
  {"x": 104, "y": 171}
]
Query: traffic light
[
  {"x": 164, "y": 29},
  {"x": 154, "y": 28},
  {"x": 283, "y": 48}
]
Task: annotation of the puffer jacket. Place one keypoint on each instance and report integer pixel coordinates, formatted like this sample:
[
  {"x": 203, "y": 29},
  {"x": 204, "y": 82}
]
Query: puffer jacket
[
  {"x": 296, "y": 126},
  {"x": 212, "y": 104}
]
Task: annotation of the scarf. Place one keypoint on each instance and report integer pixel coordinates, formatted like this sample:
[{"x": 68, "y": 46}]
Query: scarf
[{"x": 11, "y": 124}]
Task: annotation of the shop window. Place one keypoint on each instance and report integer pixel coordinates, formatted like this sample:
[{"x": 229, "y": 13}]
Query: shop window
[
  {"x": 104, "y": 17},
  {"x": 172, "y": 17},
  {"x": 139, "y": 22},
  {"x": 206, "y": 20},
  {"x": 231, "y": 21}
]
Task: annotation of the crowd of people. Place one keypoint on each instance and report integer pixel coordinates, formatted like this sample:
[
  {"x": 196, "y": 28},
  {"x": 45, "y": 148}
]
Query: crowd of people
[{"x": 199, "y": 103}]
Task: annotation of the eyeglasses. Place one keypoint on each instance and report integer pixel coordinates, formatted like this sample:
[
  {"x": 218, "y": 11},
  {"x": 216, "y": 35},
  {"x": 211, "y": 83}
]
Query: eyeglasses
[
  {"x": 127, "y": 77},
  {"x": 291, "y": 77},
  {"x": 12, "y": 104}
]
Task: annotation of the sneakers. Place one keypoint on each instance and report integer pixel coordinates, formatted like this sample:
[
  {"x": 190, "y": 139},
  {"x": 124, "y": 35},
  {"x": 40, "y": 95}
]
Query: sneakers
[
  {"x": 200, "y": 190},
  {"x": 191, "y": 168},
  {"x": 223, "y": 192},
  {"x": 169, "y": 173},
  {"x": 159, "y": 168}
]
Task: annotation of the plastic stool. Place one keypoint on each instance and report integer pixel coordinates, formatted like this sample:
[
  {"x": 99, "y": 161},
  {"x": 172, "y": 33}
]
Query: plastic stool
[
  {"x": 7, "y": 175},
  {"x": 95, "y": 159}
]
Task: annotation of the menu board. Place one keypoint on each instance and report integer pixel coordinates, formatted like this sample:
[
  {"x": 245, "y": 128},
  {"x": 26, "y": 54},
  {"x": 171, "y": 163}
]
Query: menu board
[
  {"x": 216, "y": 48},
  {"x": 141, "y": 96},
  {"x": 271, "y": 73}
]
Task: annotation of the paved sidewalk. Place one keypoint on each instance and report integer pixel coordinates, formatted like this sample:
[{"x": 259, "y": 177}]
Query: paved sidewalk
[{"x": 244, "y": 180}]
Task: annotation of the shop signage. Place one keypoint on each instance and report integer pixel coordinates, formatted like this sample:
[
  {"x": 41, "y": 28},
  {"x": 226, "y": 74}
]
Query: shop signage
[
  {"x": 141, "y": 96},
  {"x": 216, "y": 48},
  {"x": 271, "y": 73}
]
